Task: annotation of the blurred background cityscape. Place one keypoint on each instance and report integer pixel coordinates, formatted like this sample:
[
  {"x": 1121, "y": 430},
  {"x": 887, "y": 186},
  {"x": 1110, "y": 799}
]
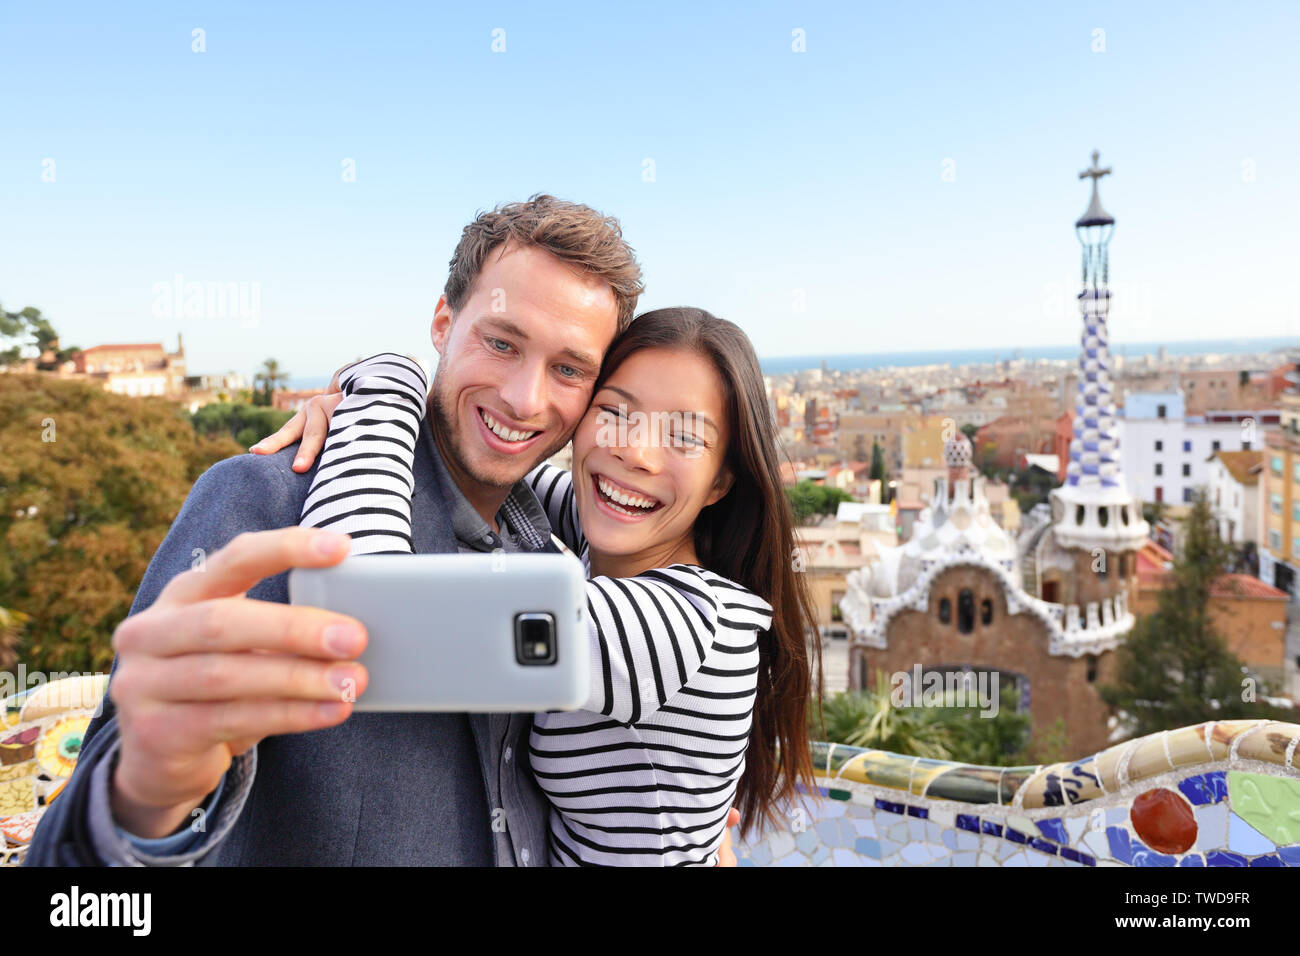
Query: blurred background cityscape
[{"x": 208, "y": 209}]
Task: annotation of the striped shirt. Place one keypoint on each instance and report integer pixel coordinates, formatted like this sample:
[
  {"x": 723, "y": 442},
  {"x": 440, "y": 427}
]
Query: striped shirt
[{"x": 645, "y": 772}]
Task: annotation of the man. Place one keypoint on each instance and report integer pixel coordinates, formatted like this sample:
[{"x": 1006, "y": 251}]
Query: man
[{"x": 225, "y": 738}]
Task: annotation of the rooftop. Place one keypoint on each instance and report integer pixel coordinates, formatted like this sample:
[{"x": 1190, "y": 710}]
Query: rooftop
[{"x": 1242, "y": 465}]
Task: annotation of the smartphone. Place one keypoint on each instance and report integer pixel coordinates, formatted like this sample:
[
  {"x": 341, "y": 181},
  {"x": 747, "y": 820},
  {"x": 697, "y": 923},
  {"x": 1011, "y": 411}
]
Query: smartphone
[{"x": 462, "y": 632}]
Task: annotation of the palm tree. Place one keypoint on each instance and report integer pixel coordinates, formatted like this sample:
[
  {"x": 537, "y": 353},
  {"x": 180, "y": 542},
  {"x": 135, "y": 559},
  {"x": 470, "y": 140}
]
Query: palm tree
[
  {"x": 870, "y": 719},
  {"x": 269, "y": 377}
]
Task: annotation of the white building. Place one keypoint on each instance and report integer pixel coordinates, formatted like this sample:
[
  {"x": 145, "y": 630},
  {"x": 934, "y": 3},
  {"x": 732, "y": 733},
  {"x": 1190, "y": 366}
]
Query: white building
[
  {"x": 1234, "y": 494},
  {"x": 1167, "y": 454}
]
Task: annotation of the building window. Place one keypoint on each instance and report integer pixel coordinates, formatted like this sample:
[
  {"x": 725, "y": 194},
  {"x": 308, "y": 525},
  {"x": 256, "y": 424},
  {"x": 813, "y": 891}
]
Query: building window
[
  {"x": 1187, "y": 446},
  {"x": 1295, "y": 511},
  {"x": 1295, "y": 472},
  {"x": 1275, "y": 539},
  {"x": 1275, "y": 503},
  {"x": 965, "y": 611},
  {"x": 1187, "y": 494},
  {"x": 1214, "y": 446},
  {"x": 1092, "y": 668},
  {"x": 945, "y": 611},
  {"x": 1160, "y": 446},
  {"x": 1295, "y": 547},
  {"x": 1160, "y": 469},
  {"x": 1275, "y": 465},
  {"x": 1187, "y": 470},
  {"x": 986, "y": 612},
  {"x": 1160, "y": 411},
  {"x": 1160, "y": 493}
]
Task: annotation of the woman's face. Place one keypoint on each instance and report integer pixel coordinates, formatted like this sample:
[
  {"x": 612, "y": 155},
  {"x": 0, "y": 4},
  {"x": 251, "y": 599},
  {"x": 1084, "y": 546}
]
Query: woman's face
[{"x": 648, "y": 455}]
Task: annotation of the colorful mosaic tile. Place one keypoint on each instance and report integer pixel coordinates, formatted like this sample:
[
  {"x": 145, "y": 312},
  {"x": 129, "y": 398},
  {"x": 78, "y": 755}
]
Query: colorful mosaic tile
[
  {"x": 1271, "y": 805},
  {"x": 1174, "y": 799}
]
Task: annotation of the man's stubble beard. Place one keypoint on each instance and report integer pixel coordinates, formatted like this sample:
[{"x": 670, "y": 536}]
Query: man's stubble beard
[{"x": 442, "y": 419}]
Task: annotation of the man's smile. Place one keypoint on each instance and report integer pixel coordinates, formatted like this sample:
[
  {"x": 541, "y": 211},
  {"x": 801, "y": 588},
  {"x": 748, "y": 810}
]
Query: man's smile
[{"x": 501, "y": 433}]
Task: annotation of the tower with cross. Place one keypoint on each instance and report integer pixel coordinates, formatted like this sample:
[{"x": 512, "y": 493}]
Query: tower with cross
[{"x": 1085, "y": 556}]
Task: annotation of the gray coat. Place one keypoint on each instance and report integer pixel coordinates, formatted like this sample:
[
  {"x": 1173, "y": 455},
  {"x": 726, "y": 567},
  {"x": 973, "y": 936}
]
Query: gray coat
[{"x": 380, "y": 789}]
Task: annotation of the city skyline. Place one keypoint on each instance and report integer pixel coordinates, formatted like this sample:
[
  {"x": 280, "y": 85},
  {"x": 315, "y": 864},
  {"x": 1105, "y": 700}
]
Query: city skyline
[{"x": 883, "y": 180}]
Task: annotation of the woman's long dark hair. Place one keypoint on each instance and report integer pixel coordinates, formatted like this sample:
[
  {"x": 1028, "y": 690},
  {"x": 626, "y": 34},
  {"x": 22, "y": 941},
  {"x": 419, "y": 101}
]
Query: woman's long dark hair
[{"x": 748, "y": 537}]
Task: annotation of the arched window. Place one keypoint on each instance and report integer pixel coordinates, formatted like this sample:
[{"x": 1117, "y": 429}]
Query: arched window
[
  {"x": 1103, "y": 516},
  {"x": 986, "y": 612},
  {"x": 945, "y": 610},
  {"x": 1079, "y": 514},
  {"x": 965, "y": 611},
  {"x": 1092, "y": 668}
]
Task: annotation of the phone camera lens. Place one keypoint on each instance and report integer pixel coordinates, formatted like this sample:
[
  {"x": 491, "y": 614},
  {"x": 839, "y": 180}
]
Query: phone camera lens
[{"x": 535, "y": 638}]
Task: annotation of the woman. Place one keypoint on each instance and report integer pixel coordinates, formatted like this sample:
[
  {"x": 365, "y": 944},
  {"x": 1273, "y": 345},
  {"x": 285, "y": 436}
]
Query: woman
[{"x": 698, "y": 617}]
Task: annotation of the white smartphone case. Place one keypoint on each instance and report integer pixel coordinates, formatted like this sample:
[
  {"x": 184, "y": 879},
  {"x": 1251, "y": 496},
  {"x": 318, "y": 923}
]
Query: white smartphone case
[{"x": 445, "y": 629}]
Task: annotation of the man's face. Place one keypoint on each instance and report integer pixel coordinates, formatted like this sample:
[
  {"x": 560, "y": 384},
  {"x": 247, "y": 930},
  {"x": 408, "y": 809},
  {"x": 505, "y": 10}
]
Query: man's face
[{"x": 518, "y": 363}]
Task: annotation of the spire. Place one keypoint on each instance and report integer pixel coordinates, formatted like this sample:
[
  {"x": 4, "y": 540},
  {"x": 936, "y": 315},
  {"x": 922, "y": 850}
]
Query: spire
[
  {"x": 1094, "y": 215},
  {"x": 1093, "y": 508}
]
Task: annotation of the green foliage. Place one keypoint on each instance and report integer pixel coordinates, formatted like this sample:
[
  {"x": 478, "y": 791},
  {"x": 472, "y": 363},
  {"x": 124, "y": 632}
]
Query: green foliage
[
  {"x": 878, "y": 472},
  {"x": 89, "y": 484},
  {"x": 246, "y": 424},
  {"x": 1154, "y": 512},
  {"x": 11, "y": 628},
  {"x": 270, "y": 377},
  {"x": 870, "y": 719},
  {"x": 808, "y": 500},
  {"x": 1029, "y": 486},
  {"x": 1174, "y": 668},
  {"x": 28, "y": 329}
]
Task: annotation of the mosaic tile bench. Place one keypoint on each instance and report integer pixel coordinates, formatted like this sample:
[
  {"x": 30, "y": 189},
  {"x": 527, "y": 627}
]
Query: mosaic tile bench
[
  {"x": 40, "y": 737},
  {"x": 1225, "y": 793}
]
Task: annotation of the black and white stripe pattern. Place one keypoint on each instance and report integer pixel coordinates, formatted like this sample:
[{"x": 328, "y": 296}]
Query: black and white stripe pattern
[
  {"x": 365, "y": 480},
  {"x": 645, "y": 773}
]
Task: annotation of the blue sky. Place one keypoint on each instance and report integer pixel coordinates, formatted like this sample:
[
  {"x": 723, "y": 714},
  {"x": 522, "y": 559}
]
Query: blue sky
[{"x": 780, "y": 178}]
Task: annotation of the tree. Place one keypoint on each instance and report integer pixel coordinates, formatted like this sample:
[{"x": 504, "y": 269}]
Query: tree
[
  {"x": 870, "y": 719},
  {"x": 11, "y": 628},
  {"x": 808, "y": 500},
  {"x": 27, "y": 330},
  {"x": 1153, "y": 512},
  {"x": 970, "y": 430},
  {"x": 270, "y": 376},
  {"x": 987, "y": 456},
  {"x": 878, "y": 472},
  {"x": 1175, "y": 669},
  {"x": 89, "y": 484},
  {"x": 246, "y": 424}
]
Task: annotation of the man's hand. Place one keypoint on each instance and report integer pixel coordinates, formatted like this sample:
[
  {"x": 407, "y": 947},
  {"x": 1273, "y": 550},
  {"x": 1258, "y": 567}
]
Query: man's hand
[
  {"x": 727, "y": 856},
  {"x": 205, "y": 673}
]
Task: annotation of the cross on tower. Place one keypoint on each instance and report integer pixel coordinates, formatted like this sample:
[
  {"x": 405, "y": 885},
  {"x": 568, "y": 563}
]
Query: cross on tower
[{"x": 1094, "y": 172}]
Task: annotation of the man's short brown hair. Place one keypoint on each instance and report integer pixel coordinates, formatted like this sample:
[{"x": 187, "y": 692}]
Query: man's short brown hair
[{"x": 573, "y": 232}]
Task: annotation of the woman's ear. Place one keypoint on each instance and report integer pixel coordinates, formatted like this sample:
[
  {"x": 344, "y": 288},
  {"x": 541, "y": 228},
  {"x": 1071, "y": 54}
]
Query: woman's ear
[{"x": 721, "y": 485}]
